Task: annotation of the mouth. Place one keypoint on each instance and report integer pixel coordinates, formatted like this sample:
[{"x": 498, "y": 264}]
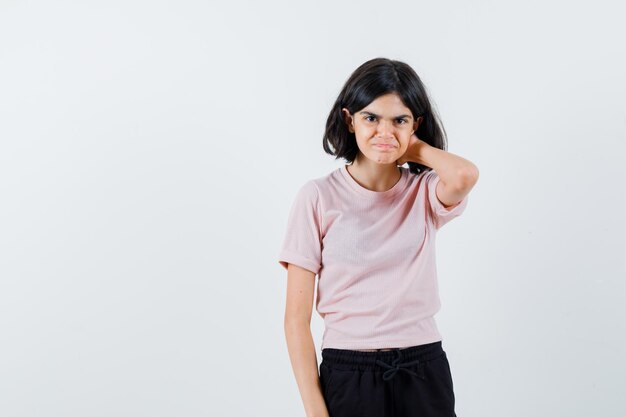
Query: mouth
[{"x": 384, "y": 146}]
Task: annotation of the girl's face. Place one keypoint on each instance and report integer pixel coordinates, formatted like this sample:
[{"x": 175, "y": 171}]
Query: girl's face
[{"x": 383, "y": 128}]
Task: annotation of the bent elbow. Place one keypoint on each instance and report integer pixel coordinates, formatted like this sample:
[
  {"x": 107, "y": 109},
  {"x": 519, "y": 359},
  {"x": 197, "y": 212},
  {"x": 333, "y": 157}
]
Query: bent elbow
[{"x": 469, "y": 176}]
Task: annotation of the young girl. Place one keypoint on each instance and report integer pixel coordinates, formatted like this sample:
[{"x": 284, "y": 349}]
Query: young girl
[{"x": 368, "y": 231}]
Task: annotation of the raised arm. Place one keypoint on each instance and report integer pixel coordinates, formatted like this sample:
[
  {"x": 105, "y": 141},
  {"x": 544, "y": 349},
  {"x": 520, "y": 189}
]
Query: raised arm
[{"x": 458, "y": 175}]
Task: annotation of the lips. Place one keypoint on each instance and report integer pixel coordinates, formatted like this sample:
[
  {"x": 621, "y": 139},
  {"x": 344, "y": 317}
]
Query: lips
[{"x": 384, "y": 146}]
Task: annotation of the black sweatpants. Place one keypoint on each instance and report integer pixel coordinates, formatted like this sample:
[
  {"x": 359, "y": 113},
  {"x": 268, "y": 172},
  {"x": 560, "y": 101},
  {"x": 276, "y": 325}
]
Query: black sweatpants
[{"x": 408, "y": 382}]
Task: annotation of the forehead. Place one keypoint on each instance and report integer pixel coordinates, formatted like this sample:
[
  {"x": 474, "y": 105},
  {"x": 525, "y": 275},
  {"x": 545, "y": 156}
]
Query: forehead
[{"x": 388, "y": 105}]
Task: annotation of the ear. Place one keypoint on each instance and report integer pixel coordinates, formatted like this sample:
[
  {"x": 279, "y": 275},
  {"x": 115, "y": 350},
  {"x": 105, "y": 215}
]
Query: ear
[
  {"x": 348, "y": 119},
  {"x": 417, "y": 123}
]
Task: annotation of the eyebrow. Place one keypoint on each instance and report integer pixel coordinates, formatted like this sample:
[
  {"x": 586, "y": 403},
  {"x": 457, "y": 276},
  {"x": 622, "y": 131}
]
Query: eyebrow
[{"x": 376, "y": 115}]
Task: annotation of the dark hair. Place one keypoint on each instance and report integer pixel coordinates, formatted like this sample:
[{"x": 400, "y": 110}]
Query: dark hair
[{"x": 374, "y": 78}]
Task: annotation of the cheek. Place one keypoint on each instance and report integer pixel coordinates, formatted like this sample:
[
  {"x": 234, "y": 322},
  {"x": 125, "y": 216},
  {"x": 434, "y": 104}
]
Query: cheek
[
  {"x": 364, "y": 134},
  {"x": 364, "y": 130},
  {"x": 405, "y": 138}
]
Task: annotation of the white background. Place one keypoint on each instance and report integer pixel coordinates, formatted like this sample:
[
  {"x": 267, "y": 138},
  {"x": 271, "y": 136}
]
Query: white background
[{"x": 150, "y": 151}]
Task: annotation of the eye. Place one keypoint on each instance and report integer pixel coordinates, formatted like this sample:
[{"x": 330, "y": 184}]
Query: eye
[
  {"x": 402, "y": 120},
  {"x": 369, "y": 117}
]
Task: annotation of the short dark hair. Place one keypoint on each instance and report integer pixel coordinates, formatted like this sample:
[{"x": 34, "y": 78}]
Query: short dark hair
[{"x": 374, "y": 78}]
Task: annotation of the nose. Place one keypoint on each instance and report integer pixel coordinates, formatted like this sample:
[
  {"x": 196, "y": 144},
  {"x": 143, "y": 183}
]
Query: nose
[{"x": 385, "y": 129}]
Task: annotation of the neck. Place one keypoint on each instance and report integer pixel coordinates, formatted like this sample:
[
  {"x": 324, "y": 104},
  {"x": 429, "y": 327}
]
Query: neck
[{"x": 374, "y": 176}]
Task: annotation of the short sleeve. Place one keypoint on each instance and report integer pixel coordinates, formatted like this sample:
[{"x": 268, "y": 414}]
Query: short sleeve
[
  {"x": 441, "y": 214},
  {"x": 302, "y": 244}
]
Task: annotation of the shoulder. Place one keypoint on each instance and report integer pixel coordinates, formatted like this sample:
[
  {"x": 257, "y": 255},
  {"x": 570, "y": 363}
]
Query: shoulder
[
  {"x": 421, "y": 179},
  {"x": 309, "y": 190},
  {"x": 321, "y": 186},
  {"x": 308, "y": 195}
]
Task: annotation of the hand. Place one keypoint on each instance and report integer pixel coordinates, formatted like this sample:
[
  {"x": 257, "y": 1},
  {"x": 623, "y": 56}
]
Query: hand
[{"x": 412, "y": 151}]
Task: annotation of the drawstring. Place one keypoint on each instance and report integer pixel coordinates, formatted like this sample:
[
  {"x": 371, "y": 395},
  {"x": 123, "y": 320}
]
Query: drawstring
[{"x": 396, "y": 366}]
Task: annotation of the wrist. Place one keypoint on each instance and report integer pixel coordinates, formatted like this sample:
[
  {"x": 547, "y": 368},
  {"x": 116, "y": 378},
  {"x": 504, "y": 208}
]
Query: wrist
[{"x": 420, "y": 153}]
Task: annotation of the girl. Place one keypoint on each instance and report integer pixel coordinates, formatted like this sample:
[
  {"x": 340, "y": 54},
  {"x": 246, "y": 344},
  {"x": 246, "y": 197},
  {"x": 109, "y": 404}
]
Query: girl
[{"x": 367, "y": 230}]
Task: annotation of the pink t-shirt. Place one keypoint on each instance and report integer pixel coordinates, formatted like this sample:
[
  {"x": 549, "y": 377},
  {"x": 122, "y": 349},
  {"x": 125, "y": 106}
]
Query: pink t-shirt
[{"x": 374, "y": 254}]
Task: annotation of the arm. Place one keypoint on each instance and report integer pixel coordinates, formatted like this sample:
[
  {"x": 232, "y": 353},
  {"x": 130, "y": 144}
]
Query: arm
[
  {"x": 457, "y": 175},
  {"x": 300, "y": 292}
]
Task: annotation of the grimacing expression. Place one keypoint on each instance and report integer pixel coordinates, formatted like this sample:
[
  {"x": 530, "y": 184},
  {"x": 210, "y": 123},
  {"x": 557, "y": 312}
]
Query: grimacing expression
[{"x": 383, "y": 128}]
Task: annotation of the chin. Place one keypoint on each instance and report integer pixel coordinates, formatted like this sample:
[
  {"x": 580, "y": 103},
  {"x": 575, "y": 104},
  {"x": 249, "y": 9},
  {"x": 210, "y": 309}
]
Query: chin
[{"x": 389, "y": 159}]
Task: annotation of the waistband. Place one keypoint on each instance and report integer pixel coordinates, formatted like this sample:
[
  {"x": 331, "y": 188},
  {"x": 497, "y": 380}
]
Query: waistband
[{"x": 390, "y": 361}]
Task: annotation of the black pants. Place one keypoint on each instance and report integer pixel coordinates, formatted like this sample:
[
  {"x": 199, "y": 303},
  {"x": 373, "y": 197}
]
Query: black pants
[{"x": 407, "y": 382}]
